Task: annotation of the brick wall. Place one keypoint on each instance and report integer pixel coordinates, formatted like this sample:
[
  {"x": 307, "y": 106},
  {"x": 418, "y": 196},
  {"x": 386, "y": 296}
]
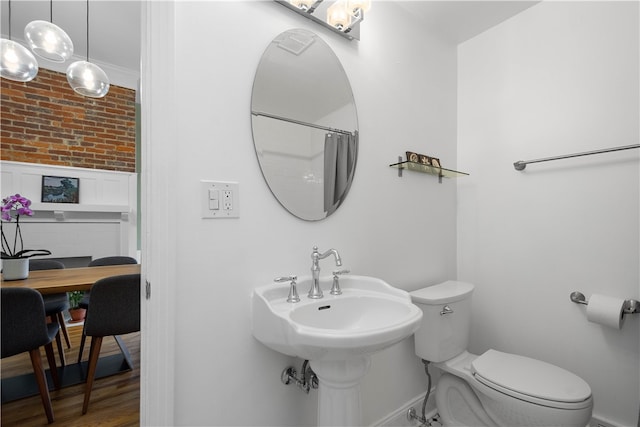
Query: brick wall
[{"x": 44, "y": 121}]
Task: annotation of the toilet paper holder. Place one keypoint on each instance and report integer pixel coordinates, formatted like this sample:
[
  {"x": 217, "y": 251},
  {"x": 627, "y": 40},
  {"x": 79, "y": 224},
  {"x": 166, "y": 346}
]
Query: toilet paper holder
[{"x": 630, "y": 306}]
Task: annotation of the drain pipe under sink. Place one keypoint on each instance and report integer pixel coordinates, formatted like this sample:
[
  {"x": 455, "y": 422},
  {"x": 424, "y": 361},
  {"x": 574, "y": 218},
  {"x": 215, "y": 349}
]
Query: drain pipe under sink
[{"x": 308, "y": 381}]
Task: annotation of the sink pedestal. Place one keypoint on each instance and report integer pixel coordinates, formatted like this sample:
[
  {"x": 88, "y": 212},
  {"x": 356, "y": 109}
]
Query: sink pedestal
[{"x": 339, "y": 390}]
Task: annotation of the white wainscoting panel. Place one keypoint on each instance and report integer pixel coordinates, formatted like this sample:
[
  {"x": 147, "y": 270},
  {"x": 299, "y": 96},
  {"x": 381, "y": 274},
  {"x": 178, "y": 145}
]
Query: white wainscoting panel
[{"x": 104, "y": 223}]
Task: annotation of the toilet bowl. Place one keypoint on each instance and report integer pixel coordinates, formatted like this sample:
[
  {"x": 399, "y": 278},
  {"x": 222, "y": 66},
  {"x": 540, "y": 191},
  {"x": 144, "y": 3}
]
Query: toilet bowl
[{"x": 494, "y": 388}]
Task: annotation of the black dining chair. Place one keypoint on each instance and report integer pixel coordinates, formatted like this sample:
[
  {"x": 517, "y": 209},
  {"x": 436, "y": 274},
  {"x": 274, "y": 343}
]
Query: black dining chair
[
  {"x": 86, "y": 298},
  {"x": 114, "y": 310},
  {"x": 54, "y": 304},
  {"x": 24, "y": 329}
]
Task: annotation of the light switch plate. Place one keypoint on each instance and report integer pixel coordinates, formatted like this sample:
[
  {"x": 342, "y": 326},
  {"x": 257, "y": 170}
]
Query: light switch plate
[{"x": 228, "y": 195}]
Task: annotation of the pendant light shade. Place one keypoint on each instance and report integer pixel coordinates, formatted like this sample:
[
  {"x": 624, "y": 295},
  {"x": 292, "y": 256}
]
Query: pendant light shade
[
  {"x": 88, "y": 79},
  {"x": 18, "y": 64},
  {"x": 48, "y": 41}
]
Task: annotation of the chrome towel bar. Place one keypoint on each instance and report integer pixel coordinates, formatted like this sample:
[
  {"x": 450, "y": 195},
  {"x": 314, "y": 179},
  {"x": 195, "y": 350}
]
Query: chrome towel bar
[
  {"x": 630, "y": 306},
  {"x": 521, "y": 164}
]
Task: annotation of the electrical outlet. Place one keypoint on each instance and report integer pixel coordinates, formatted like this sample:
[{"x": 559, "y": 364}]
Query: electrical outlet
[
  {"x": 219, "y": 199},
  {"x": 227, "y": 200}
]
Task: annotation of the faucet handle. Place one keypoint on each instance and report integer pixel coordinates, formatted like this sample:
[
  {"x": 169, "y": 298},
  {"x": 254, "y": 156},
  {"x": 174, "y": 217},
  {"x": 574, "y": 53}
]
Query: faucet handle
[
  {"x": 293, "y": 291},
  {"x": 335, "y": 287},
  {"x": 339, "y": 272}
]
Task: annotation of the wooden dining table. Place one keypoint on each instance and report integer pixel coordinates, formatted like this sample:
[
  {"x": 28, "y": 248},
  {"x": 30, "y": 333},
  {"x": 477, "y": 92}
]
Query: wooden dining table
[
  {"x": 69, "y": 279},
  {"x": 66, "y": 280}
]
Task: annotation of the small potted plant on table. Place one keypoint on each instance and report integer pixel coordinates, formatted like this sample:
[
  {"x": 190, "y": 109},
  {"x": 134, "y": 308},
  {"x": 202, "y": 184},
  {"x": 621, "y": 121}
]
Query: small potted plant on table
[{"x": 77, "y": 313}]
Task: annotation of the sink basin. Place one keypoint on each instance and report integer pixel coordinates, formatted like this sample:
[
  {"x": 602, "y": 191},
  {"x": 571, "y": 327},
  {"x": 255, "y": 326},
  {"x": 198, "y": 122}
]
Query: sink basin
[
  {"x": 369, "y": 316},
  {"x": 337, "y": 334}
]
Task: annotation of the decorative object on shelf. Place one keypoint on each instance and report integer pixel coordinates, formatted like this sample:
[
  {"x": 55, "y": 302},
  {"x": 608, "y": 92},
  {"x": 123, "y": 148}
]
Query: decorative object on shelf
[
  {"x": 60, "y": 189},
  {"x": 343, "y": 16},
  {"x": 86, "y": 78},
  {"x": 47, "y": 40},
  {"x": 425, "y": 160},
  {"x": 431, "y": 169},
  {"x": 15, "y": 259},
  {"x": 422, "y": 159},
  {"x": 77, "y": 314},
  {"x": 17, "y": 63},
  {"x": 413, "y": 157}
]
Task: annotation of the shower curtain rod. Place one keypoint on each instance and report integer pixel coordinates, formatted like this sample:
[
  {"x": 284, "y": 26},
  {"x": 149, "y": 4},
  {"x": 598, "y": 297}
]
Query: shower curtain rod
[
  {"x": 298, "y": 122},
  {"x": 521, "y": 164}
]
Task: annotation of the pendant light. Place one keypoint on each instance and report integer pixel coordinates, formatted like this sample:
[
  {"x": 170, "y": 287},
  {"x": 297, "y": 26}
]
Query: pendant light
[
  {"x": 86, "y": 78},
  {"x": 16, "y": 62},
  {"x": 47, "y": 40}
]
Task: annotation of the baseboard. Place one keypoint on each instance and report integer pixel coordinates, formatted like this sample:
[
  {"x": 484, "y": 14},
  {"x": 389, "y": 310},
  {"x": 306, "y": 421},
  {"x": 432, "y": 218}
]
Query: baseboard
[
  {"x": 398, "y": 418},
  {"x": 599, "y": 421}
]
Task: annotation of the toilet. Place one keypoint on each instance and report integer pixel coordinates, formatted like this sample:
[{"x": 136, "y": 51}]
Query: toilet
[{"x": 494, "y": 388}]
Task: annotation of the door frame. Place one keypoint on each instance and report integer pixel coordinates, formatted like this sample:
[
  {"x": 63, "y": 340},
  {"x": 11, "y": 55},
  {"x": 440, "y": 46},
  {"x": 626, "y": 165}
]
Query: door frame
[{"x": 158, "y": 154}]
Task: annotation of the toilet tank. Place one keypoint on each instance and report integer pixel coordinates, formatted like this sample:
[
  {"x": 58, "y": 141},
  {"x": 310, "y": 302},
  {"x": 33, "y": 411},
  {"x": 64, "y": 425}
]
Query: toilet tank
[{"x": 444, "y": 330}]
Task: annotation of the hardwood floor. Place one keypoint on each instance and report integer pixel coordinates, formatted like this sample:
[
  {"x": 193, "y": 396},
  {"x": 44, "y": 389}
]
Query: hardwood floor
[{"x": 115, "y": 400}]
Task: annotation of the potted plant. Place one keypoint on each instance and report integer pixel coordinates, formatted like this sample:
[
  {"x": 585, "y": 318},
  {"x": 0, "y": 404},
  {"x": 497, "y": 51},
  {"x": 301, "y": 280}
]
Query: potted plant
[
  {"x": 15, "y": 259},
  {"x": 77, "y": 313}
]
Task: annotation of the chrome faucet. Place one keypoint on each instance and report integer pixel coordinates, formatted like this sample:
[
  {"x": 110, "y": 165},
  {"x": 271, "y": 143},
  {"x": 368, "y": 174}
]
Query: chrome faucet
[{"x": 315, "y": 291}]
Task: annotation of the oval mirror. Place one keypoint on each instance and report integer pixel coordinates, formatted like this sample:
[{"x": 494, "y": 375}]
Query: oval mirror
[{"x": 305, "y": 127}]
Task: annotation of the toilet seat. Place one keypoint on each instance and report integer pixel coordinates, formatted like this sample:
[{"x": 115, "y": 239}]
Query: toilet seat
[{"x": 531, "y": 380}]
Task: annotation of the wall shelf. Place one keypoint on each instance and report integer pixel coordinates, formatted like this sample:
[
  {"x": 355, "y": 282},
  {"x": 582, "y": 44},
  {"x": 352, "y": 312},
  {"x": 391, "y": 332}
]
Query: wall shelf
[
  {"x": 71, "y": 207},
  {"x": 431, "y": 170}
]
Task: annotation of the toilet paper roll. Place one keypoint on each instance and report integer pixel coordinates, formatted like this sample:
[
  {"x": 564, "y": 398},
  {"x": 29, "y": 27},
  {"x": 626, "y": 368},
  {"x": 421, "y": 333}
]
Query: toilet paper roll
[{"x": 605, "y": 310}]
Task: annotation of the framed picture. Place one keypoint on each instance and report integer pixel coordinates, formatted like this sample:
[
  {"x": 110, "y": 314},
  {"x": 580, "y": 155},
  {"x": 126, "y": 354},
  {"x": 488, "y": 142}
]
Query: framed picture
[
  {"x": 435, "y": 162},
  {"x": 60, "y": 189}
]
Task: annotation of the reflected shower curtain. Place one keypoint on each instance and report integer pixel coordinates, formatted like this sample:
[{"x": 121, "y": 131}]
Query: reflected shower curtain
[{"x": 339, "y": 166}]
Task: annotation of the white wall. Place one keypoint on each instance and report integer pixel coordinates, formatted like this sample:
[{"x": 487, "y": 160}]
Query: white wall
[
  {"x": 561, "y": 77},
  {"x": 400, "y": 229}
]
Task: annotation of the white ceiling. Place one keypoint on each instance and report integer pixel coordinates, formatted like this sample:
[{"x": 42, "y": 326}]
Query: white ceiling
[
  {"x": 461, "y": 20},
  {"x": 114, "y": 26}
]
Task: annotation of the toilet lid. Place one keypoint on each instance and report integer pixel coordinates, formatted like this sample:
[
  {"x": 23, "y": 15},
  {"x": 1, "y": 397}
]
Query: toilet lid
[
  {"x": 529, "y": 377},
  {"x": 443, "y": 293}
]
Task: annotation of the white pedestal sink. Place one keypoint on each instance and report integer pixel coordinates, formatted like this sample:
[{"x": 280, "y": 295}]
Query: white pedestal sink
[{"x": 337, "y": 334}]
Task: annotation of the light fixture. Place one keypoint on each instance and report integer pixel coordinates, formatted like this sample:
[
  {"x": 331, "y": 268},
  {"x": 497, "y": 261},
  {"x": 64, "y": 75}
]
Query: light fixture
[
  {"x": 86, "y": 78},
  {"x": 303, "y": 4},
  {"x": 47, "y": 40},
  {"x": 343, "y": 17},
  {"x": 338, "y": 16},
  {"x": 16, "y": 62},
  {"x": 363, "y": 5}
]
